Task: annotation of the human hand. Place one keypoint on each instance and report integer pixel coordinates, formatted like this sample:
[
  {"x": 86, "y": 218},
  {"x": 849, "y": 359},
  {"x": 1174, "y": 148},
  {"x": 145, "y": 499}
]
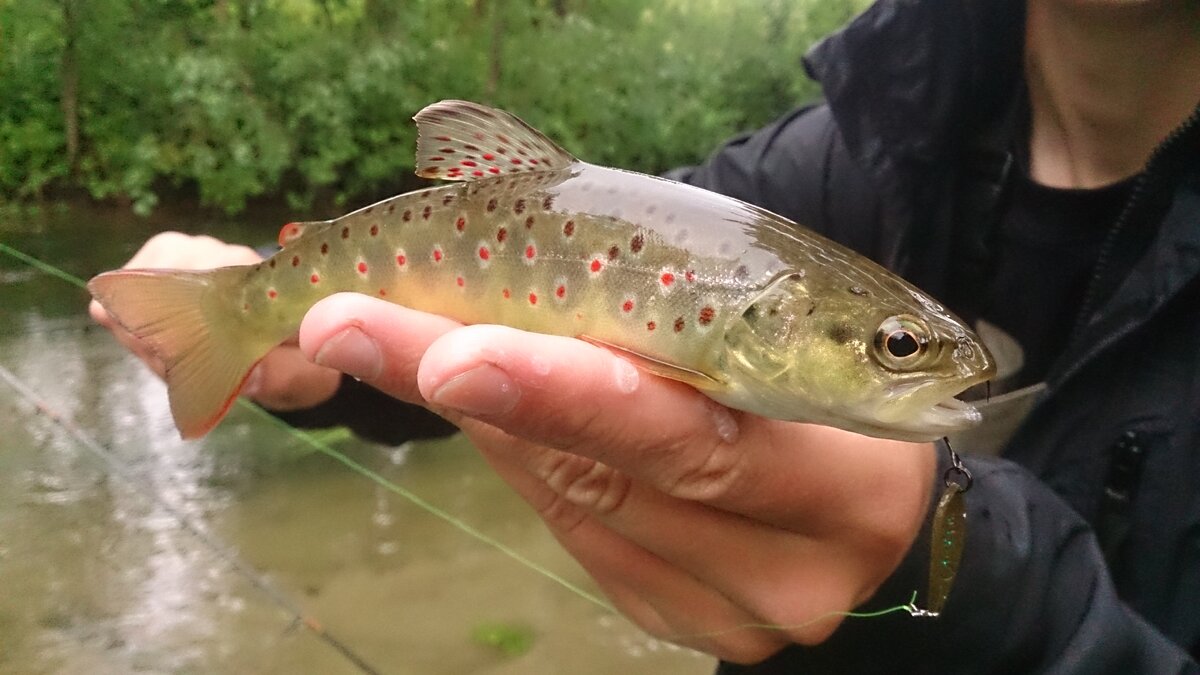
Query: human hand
[
  {"x": 283, "y": 380},
  {"x": 694, "y": 519}
]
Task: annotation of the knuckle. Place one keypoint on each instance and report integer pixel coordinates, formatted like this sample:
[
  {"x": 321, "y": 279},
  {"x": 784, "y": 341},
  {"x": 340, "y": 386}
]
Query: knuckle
[
  {"x": 704, "y": 474},
  {"x": 585, "y": 483}
]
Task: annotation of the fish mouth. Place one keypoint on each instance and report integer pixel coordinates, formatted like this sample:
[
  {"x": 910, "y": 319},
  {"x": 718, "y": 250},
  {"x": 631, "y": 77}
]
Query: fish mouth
[
  {"x": 943, "y": 417},
  {"x": 949, "y": 415}
]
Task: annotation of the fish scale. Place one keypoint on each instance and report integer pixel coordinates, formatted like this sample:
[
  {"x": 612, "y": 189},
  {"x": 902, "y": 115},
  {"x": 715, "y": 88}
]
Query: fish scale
[{"x": 747, "y": 306}]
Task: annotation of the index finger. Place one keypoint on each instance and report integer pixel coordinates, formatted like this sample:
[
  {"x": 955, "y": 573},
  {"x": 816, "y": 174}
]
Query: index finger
[{"x": 569, "y": 394}]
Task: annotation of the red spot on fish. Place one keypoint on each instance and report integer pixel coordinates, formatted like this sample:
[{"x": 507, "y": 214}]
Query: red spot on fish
[
  {"x": 667, "y": 278},
  {"x": 407, "y": 215},
  {"x": 460, "y": 281},
  {"x": 489, "y": 156},
  {"x": 627, "y": 306},
  {"x": 454, "y": 171},
  {"x": 325, "y": 248},
  {"x": 345, "y": 233},
  {"x": 690, "y": 275},
  {"x": 362, "y": 267},
  {"x": 295, "y": 261},
  {"x": 560, "y": 292},
  {"x": 437, "y": 254},
  {"x": 679, "y": 325},
  {"x": 519, "y": 206},
  {"x": 533, "y": 298},
  {"x": 382, "y": 292},
  {"x": 706, "y": 315},
  {"x": 477, "y": 173},
  {"x": 460, "y": 224},
  {"x": 533, "y": 161},
  {"x": 491, "y": 205},
  {"x": 315, "y": 278},
  {"x": 650, "y": 325},
  {"x": 484, "y": 254},
  {"x": 425, "y": 213},
  {"x": 637, "y": 243},
  {"x": 529, "y": 223},
  {"x": 493, "y": 170},
  {"x": 516, "y": 160},
  {"x": 530, "y": 252},
  {"x": 288, "y": 232},
  {"x": 506, "y": 293},
  {"x": 401, "y": 259},
  {"x": 569, "y": 228},
  {"x": 613, "y": 252},
  {"x": 501, "y": 235},
  {"x": 596, "y": 265},
  {"x": 272, "y": 293}
]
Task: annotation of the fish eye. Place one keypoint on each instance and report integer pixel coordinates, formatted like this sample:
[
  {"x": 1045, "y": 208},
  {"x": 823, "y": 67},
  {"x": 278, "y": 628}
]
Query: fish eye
[{"x": 901, "y": 341}]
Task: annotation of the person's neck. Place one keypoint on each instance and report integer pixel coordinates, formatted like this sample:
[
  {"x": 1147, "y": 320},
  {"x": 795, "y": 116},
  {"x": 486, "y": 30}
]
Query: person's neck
[{"x": 1108, "y": 81}]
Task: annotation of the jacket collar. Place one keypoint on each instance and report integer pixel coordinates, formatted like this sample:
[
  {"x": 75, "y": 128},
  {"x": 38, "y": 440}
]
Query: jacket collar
[{"x": 908, "y": 78}]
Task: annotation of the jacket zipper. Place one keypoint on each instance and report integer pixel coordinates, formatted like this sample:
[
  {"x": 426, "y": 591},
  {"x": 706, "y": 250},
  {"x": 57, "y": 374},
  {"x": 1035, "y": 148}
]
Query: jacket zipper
[{"x": 1104, "y": 257}]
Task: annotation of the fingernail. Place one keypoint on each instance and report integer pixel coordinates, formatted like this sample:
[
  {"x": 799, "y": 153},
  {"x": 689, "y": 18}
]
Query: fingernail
[
  {"x": 483, "y": 390},
  {"x": 353, "y": 353}
]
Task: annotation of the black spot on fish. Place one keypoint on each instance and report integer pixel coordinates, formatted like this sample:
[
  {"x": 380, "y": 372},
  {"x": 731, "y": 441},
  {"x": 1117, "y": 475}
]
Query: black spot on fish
[
  {"x": 841, "y": 333},
  {"x": 345, "y": 233},
  {"x": 613, "y": 252},
  {"x": 637, "y": 243}
]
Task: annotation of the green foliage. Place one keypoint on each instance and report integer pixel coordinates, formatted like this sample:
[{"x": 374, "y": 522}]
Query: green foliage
[{"x": 304, "y": 98}]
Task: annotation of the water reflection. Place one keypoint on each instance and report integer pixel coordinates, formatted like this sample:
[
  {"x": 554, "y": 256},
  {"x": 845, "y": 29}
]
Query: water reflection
[{"x": 102, "y": 573}]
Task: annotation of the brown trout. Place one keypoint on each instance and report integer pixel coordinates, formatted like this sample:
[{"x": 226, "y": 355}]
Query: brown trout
[{"x": 753, "y": 310}]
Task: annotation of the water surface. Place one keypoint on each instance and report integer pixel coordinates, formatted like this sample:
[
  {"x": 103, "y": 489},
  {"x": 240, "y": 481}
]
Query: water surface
[{"x": 124, "y": 549}]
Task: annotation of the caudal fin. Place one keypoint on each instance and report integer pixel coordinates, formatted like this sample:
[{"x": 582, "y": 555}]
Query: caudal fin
[{"x": 191, "y": 325}]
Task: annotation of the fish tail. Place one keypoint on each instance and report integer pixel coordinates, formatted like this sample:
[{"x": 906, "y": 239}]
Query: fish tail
[{"x": 190, "y": 320}]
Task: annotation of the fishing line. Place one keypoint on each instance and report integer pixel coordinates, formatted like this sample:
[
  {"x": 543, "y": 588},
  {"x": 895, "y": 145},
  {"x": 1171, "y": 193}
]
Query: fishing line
[
  {"x": 211, "y": 542},
  {"x": 910, "y": 608},
  {"x": 329, "y": 451},
  {"x": 416, "y": 500}
]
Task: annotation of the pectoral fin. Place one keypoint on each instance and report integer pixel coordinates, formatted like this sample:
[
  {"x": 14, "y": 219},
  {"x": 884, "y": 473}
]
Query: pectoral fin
[{"x": 671, "y": 371}]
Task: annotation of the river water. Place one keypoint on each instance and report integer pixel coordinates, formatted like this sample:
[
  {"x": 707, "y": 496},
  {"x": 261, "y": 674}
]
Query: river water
[{"x": 124, "y": 549}]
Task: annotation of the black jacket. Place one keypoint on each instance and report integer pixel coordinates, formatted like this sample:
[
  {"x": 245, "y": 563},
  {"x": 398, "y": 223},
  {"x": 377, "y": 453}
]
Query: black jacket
[{"x": 903, "y": 164}]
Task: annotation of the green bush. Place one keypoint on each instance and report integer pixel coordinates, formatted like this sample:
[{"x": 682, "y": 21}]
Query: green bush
[{"x": 237, "y": 99}]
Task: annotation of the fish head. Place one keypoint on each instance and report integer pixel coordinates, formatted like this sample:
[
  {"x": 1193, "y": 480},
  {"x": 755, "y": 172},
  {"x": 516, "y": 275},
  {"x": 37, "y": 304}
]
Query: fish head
[{"x": 875, "y": 356}]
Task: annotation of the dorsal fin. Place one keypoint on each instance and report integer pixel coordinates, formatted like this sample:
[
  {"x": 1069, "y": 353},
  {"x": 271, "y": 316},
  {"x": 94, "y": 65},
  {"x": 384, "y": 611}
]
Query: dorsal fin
[{"x": 460, "y": 140}]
